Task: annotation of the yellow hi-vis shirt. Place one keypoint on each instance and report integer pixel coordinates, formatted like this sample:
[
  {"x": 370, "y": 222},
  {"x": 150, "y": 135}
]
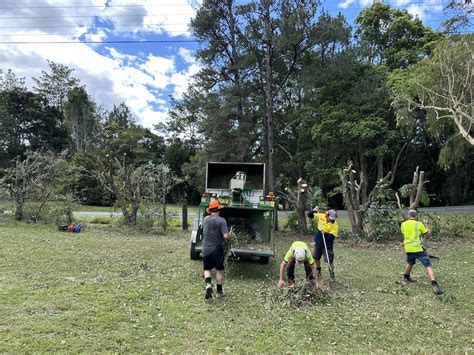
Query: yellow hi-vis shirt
[
  {"x": 412, "y": 232},
  {"x": 289, "y": 254},
  {"x": 325, "y": 225}
]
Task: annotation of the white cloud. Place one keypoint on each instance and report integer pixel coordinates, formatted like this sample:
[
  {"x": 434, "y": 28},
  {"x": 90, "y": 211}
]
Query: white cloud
[
  {"x": 425, "y": 10},
  {"x": 140, "y": 79},
  {"x": 365, "y": 3},
  {"x": 182, "y": 80},
  {"x": 150, "y": 117},
  {"x": 187, "y": 55},
  {"x": 100, "y": 36},
  {"x": 346, "y": 3},
  {"x": 416, "y": 10},
  {"x": 401, "y": 2}
]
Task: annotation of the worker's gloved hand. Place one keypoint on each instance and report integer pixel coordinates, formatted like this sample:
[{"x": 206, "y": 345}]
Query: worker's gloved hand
[
  {"x": 316, "y": 209},
  {"x": 310, "y": 214}
]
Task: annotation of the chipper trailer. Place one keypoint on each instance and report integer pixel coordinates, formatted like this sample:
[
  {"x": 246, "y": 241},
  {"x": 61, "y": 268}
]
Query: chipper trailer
[{"x": 239, "y": 187}]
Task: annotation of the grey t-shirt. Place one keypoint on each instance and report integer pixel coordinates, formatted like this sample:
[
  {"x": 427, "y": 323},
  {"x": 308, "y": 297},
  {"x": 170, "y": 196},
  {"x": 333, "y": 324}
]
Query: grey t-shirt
[{"x": 213, "y": 228}]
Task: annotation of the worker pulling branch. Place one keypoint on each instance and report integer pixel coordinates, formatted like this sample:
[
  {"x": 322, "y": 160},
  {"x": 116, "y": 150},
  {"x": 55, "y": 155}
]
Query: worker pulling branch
[
  {"x": 328, "y": 230},
  {"x": 299, "y": 253},
  {"x": 413, "y": 234}
]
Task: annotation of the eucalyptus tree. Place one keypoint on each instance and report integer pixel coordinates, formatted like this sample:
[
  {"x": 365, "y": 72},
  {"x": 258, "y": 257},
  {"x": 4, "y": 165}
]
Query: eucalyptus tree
[{"x": 81, "y": 117}]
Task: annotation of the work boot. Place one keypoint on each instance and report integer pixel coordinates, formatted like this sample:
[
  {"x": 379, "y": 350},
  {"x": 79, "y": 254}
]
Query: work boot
[
  {"x": 220, "y": 294},
  {"x": 290, "y": 283},
  {"x": 407, "y": 278},
  {"x": 208, "y": 292},
  {"x": 437, "y": 290}
]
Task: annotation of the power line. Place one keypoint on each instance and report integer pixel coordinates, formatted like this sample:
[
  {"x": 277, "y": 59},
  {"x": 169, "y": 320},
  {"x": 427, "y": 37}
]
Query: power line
[
  {"x": 75, "y": 26},
  {"x": 75, "y": 33},
  {"x": 88, "y": 16},
  {"x": 421, "y": 4},
  {"x": 161, "y": 15},
  {"x": 94, "y": 6},
  {"x": 101, "y": 42}
]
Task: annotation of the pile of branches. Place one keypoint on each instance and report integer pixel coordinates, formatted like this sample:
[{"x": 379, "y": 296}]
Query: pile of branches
[{"x": 298, "y": 296}]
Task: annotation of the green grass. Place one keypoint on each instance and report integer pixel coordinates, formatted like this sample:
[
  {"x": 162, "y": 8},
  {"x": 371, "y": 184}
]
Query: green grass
[
  {"x": 169, "y": 207},
  {"x": 117, "y": 290}
]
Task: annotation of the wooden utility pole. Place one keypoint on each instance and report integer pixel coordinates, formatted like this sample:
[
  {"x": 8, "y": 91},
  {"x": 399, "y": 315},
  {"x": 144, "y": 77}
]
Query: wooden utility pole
[{"x": 184, "y": 212}]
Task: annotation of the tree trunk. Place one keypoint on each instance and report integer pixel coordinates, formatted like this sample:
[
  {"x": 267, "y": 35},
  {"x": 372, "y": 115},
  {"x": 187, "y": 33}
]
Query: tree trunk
[
  {"x": 244, "y": 148},
  {"x": 269, "y": 99},
  {"x": 380, "y": 173},
  {"x": 351, "y": 197},
  {"x": 165, "y": 222},
  {"x": 417, "y": 188},
  {"x": 184, "y": 213},
  {"x": 301, "y": 206},
  {"x": 18, "y": 192}
]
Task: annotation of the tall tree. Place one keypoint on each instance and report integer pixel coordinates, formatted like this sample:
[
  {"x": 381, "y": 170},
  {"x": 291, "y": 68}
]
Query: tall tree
[
  {"x": 443, "y": 85},
  {"x": 121, "y": 116},
  {"x": 57, "y": 84},
  {"x": 461, "y": 14},
  {"x": 393, "y": 37},
  {"x": 80, "y": 112},
  {"x": 278, "y": 33},
  {"x": 10, "y": 82},
  {"x": 230, "y": 122},
  {"x": 27, "y": 122}
]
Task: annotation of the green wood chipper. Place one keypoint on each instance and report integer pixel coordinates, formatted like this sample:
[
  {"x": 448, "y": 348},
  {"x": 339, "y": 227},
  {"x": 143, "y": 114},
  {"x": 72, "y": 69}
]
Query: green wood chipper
[{"x": 247, "y": 210}]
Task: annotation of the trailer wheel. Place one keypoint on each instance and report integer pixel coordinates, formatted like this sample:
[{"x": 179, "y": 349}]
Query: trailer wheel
[
  {"x": 194, "y": 253},
  {"x": 264, "y": 260}
]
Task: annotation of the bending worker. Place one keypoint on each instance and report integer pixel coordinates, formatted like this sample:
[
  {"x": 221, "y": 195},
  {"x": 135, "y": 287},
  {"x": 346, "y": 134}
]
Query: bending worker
[
  {"x": 328, "y": 230},
  {"x": 214, "y": 229},
  {"x": 413, "y": 232},
  {"x": 297, "y": 254}
]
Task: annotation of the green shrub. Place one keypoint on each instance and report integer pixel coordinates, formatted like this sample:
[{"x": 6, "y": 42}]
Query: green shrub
[
  {"x": 379, "y": 221},
  {"x": 450, "y": 226},
  {"x": 56, "y": 212},
  {"x": 292, "y": 222},
  {"x": 149, "y": 216}
]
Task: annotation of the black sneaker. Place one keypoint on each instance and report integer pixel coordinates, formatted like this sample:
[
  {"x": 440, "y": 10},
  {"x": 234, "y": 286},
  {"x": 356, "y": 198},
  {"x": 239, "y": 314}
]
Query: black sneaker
[
  {"x": 437, "y": 290},
  {"x": 408, "y": 279},
  {"x": 220, "y": 294},
  {"x": 208, "y": 292}
]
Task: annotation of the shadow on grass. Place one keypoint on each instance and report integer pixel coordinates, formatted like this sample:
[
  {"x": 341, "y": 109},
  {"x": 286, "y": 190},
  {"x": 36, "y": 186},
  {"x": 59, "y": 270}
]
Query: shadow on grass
[{"x": 250, "y": 268}]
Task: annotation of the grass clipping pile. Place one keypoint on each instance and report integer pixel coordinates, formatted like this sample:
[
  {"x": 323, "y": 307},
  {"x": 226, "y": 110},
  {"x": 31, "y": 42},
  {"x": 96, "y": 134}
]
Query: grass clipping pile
[{"x": 302, "y": 295}]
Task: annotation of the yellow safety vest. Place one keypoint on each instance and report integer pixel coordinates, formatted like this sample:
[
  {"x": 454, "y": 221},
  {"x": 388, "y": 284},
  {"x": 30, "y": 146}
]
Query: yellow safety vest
[{"x": 412, "y": 233}]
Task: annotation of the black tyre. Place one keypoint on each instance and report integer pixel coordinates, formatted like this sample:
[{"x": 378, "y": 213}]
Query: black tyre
[
  {"x": 264, "y": 260},
  {"x": 194, "y": 253}
]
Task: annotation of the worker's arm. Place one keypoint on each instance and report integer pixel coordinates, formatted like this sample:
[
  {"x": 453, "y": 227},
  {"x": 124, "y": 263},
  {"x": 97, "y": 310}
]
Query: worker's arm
[
  {"x": 427, "y": 234},
  {"x": 282, "y": 271}
]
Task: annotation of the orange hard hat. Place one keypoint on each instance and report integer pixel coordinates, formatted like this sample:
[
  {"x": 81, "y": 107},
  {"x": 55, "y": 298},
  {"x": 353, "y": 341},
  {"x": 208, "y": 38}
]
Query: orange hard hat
[{"x": 214, "y": 205}]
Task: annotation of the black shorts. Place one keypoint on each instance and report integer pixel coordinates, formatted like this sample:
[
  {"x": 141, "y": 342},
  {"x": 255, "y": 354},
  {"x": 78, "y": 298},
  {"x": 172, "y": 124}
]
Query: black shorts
[
  {"x": 319, "y": 246},
  {"x": 215, "y": 260}
]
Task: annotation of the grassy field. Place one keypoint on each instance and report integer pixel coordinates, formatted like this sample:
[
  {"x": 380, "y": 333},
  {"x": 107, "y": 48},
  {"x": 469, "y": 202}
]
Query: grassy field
[{"x": 112, "y": 290}]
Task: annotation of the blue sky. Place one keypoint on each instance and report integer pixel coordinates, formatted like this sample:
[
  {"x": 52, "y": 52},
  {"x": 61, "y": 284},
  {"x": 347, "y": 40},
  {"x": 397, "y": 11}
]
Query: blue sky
[{"x": 143, "y": 75}]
